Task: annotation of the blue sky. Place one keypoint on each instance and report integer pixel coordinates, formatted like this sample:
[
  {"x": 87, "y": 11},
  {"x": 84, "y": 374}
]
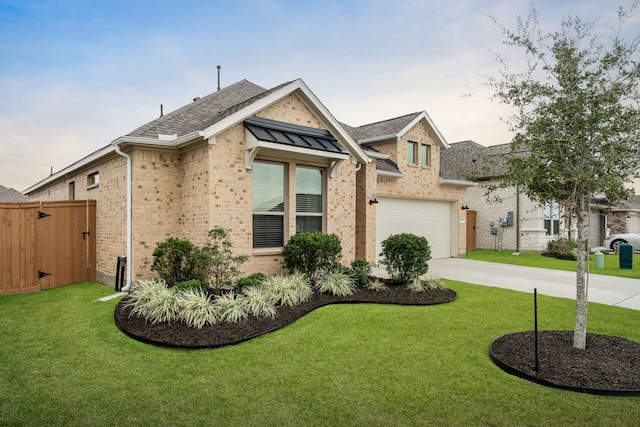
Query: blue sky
[{"x": 75, "y": 74}]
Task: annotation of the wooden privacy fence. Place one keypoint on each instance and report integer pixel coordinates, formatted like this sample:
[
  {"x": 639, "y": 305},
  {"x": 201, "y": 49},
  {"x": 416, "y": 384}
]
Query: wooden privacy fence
[{"x": 44, "y": 245}]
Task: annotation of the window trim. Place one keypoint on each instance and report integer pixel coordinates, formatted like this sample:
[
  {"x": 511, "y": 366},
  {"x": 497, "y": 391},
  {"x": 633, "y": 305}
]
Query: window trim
[
  {"x": 93, "y": 180},
  {"x": 426, "y": 156},
  {"x": 283, "y": 213},
  {"x": 412, "y": 147},
  {"x": 323, "y": 205}
]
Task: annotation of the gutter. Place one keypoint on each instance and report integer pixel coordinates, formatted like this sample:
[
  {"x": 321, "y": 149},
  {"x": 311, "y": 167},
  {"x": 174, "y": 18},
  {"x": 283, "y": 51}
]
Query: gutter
[
  {"x": 116, "y": 146},
  {"x": 458, "y": 182}
]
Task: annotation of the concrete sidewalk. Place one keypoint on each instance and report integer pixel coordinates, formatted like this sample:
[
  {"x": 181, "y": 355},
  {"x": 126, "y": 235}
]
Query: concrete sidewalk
[{"x": 610, "y": 290}]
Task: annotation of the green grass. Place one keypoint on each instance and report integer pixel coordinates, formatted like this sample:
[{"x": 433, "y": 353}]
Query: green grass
[
  {"x": 534, "y": 259},
  {"x": 63, "y": 362}
]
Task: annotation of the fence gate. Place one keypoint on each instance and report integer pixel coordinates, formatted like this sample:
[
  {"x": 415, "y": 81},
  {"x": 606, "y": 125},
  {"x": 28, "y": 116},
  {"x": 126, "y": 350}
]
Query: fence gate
[{"x": 44, "y": 245}]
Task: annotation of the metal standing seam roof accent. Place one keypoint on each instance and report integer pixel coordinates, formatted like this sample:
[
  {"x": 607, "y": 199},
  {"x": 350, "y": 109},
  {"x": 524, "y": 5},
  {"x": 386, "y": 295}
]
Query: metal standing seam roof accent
[{"x": 293, "y": 135}]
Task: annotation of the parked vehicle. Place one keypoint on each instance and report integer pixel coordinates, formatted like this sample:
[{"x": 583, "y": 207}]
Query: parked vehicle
[{"x": 613, "y": 242}]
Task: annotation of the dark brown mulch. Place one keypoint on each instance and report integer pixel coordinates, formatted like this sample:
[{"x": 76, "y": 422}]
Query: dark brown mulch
[
  {"x": 608, "y": 364},
  {"x": 223, "y": 333}
]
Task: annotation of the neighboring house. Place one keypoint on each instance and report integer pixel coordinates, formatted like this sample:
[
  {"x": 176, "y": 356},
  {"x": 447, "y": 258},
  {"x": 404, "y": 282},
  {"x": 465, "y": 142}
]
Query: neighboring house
[
  {"x": 625, "y": 218},
  {"x": 264, "y": 165},
  {"x": 10, "y": 195},
  {"x": 506, "y": 218}
]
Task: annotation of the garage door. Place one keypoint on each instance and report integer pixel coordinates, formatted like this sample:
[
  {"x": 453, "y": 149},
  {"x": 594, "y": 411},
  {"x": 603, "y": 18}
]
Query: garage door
[{"x": 430, "y": 219}]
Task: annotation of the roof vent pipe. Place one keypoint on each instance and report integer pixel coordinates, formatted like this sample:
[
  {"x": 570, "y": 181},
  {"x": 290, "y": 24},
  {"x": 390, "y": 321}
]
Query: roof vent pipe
[
  {"x": 218, "y": 67},
  {"x": 161, "y": 111}
]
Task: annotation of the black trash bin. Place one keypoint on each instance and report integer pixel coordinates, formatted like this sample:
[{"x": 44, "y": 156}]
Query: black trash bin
[{"x": 626, "y": 256}]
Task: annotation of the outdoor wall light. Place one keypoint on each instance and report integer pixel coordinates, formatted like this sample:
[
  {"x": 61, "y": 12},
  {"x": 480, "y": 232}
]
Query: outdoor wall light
[
  {"x": 373, "y": 201},
  {"x": 465, "y": 207}
]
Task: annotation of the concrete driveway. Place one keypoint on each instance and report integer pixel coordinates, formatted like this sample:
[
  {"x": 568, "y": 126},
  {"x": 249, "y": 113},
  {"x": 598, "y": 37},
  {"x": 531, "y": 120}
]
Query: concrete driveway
[{"x": 610, "y": 290}]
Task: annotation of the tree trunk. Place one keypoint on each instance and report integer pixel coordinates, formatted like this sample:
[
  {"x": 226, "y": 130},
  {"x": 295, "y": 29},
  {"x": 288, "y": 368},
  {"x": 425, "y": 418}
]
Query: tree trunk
[{"x": 580, "y": 332}]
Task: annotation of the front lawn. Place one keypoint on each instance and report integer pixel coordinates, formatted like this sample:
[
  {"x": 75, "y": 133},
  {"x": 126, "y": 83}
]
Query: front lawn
[
  {"x": 63, "y": 362},
  {"x": 534, "y": 259}
]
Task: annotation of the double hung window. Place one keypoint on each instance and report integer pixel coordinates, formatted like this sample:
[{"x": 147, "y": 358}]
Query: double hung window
[
  {"x": 309, "y": 199},
  {"x": 268, "y": 204}
]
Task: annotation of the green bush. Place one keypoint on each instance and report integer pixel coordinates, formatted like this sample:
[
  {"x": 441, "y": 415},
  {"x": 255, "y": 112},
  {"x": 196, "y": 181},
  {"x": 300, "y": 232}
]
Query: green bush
[
  {"x": 188, "y": 284},
  {"x": 405, "y": 256},
  {"x": 216, "y": 262},
  {"x": 360, "y": 270},
  {"x": 562, "y": 248},
  {"x": 255, "y": 280},
  {"x": 312, "y": 253},
  {"x": 154, "y": 301},
  {"x": 175, "y": 260}
]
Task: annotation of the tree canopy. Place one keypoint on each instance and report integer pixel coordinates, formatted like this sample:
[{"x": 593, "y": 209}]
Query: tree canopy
[{"x": 576, "y": 116}]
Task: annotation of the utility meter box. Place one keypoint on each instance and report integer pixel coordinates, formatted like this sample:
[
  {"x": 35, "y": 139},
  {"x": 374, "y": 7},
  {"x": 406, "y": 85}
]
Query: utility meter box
[
  {"x": 626, "y": 256},
  {"x": 510, "y": 219}
]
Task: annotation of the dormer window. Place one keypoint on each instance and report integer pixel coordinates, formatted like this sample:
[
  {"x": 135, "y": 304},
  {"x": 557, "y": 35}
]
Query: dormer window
[
  {"x": 425, "y": 155},
  {"x": 412, "y": 153}
]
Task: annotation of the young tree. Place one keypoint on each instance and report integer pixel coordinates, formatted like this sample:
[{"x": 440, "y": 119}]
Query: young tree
[{"x": 577, "y": 118}]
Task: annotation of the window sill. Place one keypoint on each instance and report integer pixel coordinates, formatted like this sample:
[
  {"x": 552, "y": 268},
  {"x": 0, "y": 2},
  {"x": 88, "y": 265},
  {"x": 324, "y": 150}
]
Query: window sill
[
  {"x": 267, "y": 251},
  {"x": 91, "y": 187}
]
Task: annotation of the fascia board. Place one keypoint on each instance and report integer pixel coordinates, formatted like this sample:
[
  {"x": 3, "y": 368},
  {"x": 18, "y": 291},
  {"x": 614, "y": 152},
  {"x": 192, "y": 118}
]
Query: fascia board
[
  {"x": 390, "y": 174},
  {"x": 379, "y": 138},
  {"x": 424, "y": 116},
  {"x": 458, "y": 182},
  {"x": 72, "y": 168}
]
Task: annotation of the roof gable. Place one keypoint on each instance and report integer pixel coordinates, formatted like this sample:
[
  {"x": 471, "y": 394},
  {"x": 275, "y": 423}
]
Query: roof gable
[{"x": 394, "y": 129}]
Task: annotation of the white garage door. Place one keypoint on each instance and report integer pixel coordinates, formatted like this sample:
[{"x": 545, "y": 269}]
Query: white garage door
[{"x": 430, "y": 219}]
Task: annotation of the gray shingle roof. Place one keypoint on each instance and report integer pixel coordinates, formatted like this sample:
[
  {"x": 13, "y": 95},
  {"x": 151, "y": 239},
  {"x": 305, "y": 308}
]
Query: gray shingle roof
[
  {"x": 469, "y": 160},
  {"x": 385, "y": 127},
  {"x": 11, "y": 195},
  {"x": 202, "y": 113}
]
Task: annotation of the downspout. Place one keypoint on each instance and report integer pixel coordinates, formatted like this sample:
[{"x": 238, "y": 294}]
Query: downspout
[{"x": 128, "y": 157}]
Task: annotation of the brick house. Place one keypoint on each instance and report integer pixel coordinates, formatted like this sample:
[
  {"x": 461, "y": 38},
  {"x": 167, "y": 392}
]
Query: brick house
[
  {"x": 264, "y": 164},
  {"x": 508, "y": 219}
]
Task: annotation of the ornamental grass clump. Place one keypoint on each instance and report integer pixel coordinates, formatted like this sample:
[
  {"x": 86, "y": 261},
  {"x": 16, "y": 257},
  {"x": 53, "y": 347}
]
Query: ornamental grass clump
[
  {"x": 416, "y": 285},
  {"x": 259, "y": 301},
  {"x": 231, "y": 307},
  {"x": 377, "y": 285},
  {"x": 336, "y": 283},
  {"x": 155, "y": 302},
  {"x": 196, "y": 308},
  {"x": 289, "y": 290}
]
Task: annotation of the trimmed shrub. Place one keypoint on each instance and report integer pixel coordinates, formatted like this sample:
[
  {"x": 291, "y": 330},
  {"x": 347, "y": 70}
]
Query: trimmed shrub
[
  {"x": 255, "y": 280},
  {"x": 312, "y": 253},
  {"x": 188, "y": 284},
  {"x": 336, "y": 283},
  {"x": 405, "y": 257},
  {"x": 175, "y": 260}
]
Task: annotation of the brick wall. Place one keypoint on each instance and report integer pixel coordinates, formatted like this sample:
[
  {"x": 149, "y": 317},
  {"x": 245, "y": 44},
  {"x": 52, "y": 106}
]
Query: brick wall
[{"x": 422, "y": 182}]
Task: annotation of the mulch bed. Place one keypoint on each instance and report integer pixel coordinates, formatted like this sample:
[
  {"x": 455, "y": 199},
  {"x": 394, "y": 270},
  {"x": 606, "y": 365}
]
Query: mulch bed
[
  {"x": 221, "y": 334},
  {"x": 608, "y": 365}
]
